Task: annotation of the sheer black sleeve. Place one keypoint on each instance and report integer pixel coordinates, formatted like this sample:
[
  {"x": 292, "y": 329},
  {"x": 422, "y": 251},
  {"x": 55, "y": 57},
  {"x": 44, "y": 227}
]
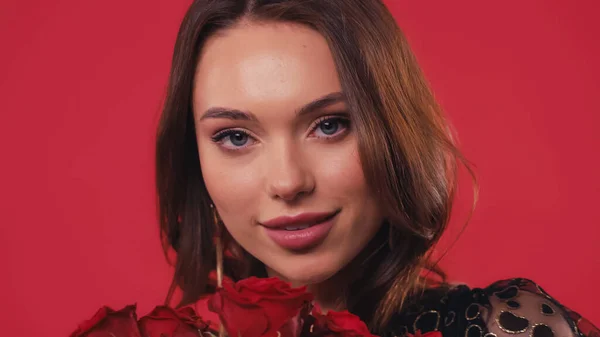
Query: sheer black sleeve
[{"x": 508, "y": 308}]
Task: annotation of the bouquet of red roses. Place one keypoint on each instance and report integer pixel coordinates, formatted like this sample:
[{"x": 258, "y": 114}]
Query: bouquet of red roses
[{"x": 253, "y": 307}]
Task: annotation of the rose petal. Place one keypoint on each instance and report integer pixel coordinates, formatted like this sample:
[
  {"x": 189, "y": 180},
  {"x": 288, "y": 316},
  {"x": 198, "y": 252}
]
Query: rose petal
[
  {"x": 343, "y": 324},
  {"x": 108, "y": 321},
  {"x": 167, "y": 321},
  {"x": 256, "y": 307}
]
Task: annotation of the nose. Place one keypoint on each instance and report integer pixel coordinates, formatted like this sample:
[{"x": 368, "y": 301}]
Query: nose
[{"x": 288, "y": 176}]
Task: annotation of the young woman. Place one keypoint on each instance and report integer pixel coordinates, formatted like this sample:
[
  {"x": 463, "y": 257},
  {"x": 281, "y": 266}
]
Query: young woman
[{"x": 302, "y": 135}]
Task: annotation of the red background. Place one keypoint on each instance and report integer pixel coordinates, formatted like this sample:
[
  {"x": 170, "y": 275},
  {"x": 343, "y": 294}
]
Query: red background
[{"x": 81, "y": 84}]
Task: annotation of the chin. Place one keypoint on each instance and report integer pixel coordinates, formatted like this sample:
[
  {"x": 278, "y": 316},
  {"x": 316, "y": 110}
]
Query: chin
[
  {"x": 301, "y": 274},
  {"x": 309, "y": 279}
]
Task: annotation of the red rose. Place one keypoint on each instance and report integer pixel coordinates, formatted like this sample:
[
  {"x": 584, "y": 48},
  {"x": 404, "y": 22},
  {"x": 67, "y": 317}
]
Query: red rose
[
  {"x": 161, "y": 322},
  {"x": 342, "y": 324},
  {"x": 107, "y": 323},
  {"x": 165, "y": 321},
  {"x": 256, "y": 307},
  {"x": 427, "y": 334}
]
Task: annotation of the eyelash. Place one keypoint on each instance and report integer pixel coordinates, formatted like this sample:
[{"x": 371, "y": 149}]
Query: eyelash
[
  {"x": 220, "y": 136},
  {"x": 344, "y": 121}
]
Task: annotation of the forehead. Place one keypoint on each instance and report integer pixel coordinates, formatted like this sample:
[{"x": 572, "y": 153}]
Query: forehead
[{"x": 280, "y": 64}]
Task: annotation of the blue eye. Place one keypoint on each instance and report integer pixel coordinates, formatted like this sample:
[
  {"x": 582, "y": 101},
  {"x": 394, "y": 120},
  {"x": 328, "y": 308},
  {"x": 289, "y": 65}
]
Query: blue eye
[
  {"x": 232, "y": 139},
  {"x": 329, "y": 127},
  {"x": 238, "y": 138}
]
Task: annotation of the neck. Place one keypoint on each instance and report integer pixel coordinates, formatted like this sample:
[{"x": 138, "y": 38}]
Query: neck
[{"x": 329, "y": 294}]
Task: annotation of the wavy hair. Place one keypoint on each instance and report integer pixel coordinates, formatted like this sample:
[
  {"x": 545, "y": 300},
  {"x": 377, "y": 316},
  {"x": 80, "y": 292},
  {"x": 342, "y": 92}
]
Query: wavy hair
[{"x": 406, "y": 148}]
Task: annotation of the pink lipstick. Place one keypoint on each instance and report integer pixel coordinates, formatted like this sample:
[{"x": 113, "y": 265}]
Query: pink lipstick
[{"x": 301, "y": 231}]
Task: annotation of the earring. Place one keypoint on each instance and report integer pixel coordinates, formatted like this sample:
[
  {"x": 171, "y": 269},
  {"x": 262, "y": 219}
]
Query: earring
[
  {"x": 219, "y": 249},
  {"x": 218, "y": 245},
  {"x": 391, "y": 237}
]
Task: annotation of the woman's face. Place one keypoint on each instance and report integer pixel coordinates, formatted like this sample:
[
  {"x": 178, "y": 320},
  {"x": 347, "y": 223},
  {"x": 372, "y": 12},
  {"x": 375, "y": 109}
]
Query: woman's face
[{"x": 278, "y": 150}]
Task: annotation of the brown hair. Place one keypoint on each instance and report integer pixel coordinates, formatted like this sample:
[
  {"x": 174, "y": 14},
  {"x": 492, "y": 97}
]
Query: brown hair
[{"x": 405, "y": 145}]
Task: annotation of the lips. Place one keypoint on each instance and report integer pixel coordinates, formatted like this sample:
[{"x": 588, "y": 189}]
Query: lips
[
  {"x": 302, "y": 231},
  {"x": 298, "y": 221}
]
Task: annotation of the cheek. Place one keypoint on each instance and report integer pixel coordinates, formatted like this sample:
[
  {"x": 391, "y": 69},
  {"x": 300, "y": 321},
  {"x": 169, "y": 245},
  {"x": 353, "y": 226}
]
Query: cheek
[
  {"x": 342, "y": 179},
  {"x": 339, "y": 171},
  {"x": 231, "y": 184}
]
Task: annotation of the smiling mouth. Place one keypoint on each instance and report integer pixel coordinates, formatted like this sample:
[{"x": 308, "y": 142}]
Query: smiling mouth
[
  {"x": 298, "y": 227},
  {"x": 300, "y": 221},
  {"x": 300, "y": 232}
]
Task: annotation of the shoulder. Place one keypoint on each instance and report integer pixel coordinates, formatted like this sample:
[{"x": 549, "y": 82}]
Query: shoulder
[{"x": 503, "y": 309}]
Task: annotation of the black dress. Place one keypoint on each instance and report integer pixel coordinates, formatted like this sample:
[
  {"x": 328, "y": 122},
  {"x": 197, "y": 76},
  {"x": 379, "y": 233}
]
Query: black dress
[{"x": 508, "y": 308}]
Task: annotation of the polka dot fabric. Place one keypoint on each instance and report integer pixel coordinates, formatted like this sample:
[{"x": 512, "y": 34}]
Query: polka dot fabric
[{"x": 508, "y": 308}]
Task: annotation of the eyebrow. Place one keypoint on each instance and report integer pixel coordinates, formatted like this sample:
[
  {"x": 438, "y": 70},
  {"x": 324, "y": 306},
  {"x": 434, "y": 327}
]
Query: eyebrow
[{"x": 235, "y": 114}]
